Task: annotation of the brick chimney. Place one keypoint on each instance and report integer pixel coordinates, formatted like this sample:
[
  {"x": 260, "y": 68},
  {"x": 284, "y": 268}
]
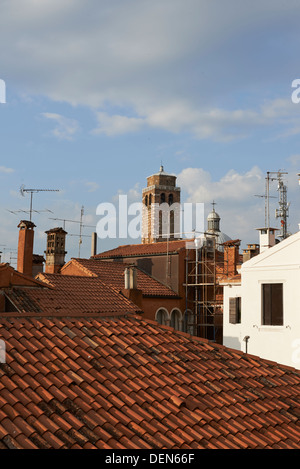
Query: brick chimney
[
  {"x": 251, "y": 251},
  {"x": 231, "y": 256},
  {"x": 25, "y": 247}
]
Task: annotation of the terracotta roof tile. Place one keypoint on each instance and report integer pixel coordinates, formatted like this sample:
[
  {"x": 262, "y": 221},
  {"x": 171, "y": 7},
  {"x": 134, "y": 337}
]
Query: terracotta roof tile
[
  {"x": 69, "y": 296},
  {"x": 90, "y": 383},
  {"x": 112, "y": 274},
  {"x": 128, "y": 250}
]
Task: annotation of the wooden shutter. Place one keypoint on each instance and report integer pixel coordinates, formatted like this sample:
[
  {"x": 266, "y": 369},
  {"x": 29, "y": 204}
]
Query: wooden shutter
[
  {"x": 232, "y": 310},
  {"x": 235, "y": 310},
  {"x": 272, "y": 304}
]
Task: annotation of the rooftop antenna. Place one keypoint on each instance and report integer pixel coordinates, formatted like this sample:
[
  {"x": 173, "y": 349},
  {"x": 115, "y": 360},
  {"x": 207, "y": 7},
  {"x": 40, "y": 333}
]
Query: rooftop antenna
[
  {"x": 283, "y": 210},
  {"x": 267, "y": 198},
  {"x": 81, "y": 225},
  {"x": 33, "y": 191}
]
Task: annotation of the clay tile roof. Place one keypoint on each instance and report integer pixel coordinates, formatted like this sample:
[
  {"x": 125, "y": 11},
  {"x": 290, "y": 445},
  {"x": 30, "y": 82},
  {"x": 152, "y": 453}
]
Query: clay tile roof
[
  {"x": 71, "y": 295},
  {"x": 131, "y": 383},
  {"x": 112, "y": 273},
  {"x": 128, "y": 250}
]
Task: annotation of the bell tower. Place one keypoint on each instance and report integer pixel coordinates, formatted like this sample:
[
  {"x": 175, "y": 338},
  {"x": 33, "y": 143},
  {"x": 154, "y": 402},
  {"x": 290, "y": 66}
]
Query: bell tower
[
  {"x": 161, "y": 208},
  {"x": 55, "y": 252}
]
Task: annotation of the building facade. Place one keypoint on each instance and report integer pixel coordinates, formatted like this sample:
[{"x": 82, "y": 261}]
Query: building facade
[{"x": 261, "y": 307}]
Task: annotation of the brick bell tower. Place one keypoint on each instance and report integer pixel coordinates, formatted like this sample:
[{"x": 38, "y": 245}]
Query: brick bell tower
[
  {"x": 161, "y": 208},
  {"x": 55, "y": 252}
]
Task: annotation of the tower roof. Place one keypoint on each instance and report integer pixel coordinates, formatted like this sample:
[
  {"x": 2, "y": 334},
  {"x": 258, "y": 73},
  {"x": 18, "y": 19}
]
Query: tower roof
[
  {"x": 213, "y": 228},
  {"x": 162, "y": 172},
  {"x": 56, "y": 230},
  {"x": 213, "y": 215}
]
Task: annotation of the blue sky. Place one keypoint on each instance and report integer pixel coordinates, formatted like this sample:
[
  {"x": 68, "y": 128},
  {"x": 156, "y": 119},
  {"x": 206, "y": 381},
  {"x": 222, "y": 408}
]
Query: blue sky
[{"x": 98, "y": 93}]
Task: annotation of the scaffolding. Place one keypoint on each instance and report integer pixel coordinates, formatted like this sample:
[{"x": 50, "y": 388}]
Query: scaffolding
[{"x": 203, "y": 306}]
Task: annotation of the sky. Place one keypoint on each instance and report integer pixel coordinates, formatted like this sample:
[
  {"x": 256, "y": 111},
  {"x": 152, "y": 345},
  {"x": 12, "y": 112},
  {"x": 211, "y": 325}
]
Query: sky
[{"x": 100, "y": 93}]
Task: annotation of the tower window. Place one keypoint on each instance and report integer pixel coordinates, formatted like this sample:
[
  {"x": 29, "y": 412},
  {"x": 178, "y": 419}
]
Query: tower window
[
  {"x": 170, "y": 199},
  {"x": 172, "y": 224},
  {"x": 162, "y": 198},
  {"x": 146, "y": 200}
]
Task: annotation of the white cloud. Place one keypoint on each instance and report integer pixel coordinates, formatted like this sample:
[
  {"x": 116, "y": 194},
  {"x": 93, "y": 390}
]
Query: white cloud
[
  {"x": 234, "y": 193},
  {"x": 92, "y": 186},
  {"x": 134, "y": 194},
  {"x": 294, "y": 160},
  {"x": 117, "y": 124},
  {"x": 4, "y": 169},
  {"x": 171, "y": 65},
  {"x": 65, "y": 128},
  {"x": 240, "y": 198},
  {"x": 233, "y": 186},
  {"x": 211, "y": 123}
]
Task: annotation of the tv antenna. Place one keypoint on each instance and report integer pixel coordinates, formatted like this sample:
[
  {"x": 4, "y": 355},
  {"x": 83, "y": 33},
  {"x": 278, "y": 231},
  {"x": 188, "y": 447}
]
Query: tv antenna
[
  {"x": 283, "y": 210},
  {"x": 81, "y": 225},
  {"x": 34, "y": 191}
]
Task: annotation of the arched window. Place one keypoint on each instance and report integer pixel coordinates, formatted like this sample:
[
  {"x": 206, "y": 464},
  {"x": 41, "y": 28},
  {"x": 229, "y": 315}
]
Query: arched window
[
  {"x": 176, "y": 319},
  {"x": 146, "y": 200},
  {"x": 189, "y": 322},
  {"x": 162, "y": 198},
  {"x": 162, "y": 317},
  {"x": 150, "y": 199},
  {"x": 170, "y": 199}
]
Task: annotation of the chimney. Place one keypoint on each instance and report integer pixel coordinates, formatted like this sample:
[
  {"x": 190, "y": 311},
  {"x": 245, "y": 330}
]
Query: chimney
[
  {"x": 25, "y": 247},
  {"x": 37, "y": 264},
  {"x": 251, "y": 251},
  {"x": 130, "y": 276},
  {"x": 94, "y": 244},
  {"x": 266, "y": 238},
  {"x": 131, "y": 290},
  {"x": 231, "y": 257},
  {"x": 55, "y": 252}
]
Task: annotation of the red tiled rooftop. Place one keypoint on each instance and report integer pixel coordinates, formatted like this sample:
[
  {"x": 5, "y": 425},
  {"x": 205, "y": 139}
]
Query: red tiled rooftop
[
  {"x": 70, "y": 295},
  {"x": 112, "y": 273},
  {"x": 131, "y": 383},
  {"x": 128, "y": 250}
]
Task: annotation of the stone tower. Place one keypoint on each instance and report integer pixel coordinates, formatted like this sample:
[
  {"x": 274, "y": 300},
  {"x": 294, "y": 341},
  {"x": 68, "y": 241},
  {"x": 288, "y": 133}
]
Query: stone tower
[
  {"x": 161, "y": 208},
  {"x": 55, "y": 253}
]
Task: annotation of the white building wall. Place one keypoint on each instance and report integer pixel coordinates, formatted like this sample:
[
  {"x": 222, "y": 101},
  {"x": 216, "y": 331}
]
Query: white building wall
[
  {"x": 280, "y": 264},
  {"x": 232, "y": 333},
  {"x": 278, "y": 343}
]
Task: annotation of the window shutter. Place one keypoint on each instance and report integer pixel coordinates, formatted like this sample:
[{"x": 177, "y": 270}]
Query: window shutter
[
  {"x": 232, "y": 311},
  {"x": 272, "y": 303}
]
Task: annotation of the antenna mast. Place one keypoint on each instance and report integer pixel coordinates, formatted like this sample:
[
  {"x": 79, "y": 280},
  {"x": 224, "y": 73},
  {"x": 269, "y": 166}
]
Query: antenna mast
[
  {"x": 283, "y": 210},
  {"x": 32, "y": 191},
  {"x": 81, "y": 225}
]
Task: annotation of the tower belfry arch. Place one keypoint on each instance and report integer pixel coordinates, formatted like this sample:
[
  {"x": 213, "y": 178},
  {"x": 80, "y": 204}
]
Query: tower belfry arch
[{"x": 161, "y": 208}]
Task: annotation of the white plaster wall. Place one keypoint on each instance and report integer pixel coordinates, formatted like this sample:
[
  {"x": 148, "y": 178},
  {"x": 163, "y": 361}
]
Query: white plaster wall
[
  {"x": 231, "y": 332},
  {"x": 280, "y": 263},
  {"x": 278, "y": 343}
]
